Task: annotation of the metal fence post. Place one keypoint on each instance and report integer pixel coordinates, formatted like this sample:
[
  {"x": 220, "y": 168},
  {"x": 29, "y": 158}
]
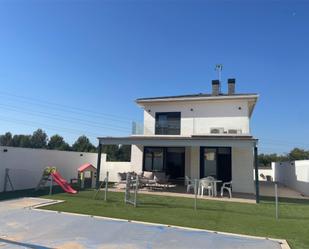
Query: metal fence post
[
  {"x": 135, "y": 191},
  {"x": 195, "y": 193},
  {"x": 51, "y": 186},
  {"x": 106, "y": 186}
]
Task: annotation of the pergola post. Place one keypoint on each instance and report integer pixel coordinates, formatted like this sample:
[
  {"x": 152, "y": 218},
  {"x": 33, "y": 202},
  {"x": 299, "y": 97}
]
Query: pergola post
[
  {"x": 99, "y": 165},
  {"x": 256, "y": 170}
]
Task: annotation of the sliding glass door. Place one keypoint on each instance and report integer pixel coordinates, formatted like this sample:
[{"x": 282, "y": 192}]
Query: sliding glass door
[
  {"x": 216, "y": 162},
  {"x": 175, "y": 162},
  {"x": 210, "y": 162},
  {"x": 153, "y": 159}
]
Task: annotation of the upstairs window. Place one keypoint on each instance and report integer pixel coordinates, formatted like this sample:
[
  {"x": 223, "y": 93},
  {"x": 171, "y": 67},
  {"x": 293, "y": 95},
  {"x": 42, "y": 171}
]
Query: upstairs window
[{"x": 167, "y": 123}]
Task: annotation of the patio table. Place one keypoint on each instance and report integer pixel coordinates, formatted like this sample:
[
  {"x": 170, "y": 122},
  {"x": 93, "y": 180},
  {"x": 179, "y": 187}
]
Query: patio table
[{"x": 214, "y": 186}]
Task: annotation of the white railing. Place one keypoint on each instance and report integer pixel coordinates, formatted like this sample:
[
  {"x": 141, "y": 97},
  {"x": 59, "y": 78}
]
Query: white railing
[
  {"x": 140, "y": 129},
  {"x": 196, "y": 129}
]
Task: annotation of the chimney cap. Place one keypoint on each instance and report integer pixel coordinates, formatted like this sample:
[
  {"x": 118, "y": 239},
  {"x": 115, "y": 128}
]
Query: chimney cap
[
  {"x": 215, "y": 82},
  {"x": 231, "y": 81}
]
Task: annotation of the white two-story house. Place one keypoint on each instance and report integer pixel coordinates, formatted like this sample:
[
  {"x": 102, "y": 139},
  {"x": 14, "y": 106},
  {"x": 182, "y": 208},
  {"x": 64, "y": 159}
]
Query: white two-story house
[{"x": 197, "y": 136}]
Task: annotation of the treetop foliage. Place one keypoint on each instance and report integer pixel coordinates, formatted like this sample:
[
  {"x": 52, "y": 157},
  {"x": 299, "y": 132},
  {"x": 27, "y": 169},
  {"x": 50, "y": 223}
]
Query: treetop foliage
[
  {"x": 294, "y": 154},
  {"x": 39, "y": 139}
]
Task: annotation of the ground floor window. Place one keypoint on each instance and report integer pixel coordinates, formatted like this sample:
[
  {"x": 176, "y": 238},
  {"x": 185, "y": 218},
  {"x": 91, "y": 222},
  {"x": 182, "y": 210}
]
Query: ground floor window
[
  {"x": 153, "y": 159},
  {"x": 170, "y": 160}
]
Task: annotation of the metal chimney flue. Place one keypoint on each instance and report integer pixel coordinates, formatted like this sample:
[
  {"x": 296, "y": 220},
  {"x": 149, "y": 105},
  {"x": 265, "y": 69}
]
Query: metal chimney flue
[
  {"x": 231, "y": 86},
  {"x": 215, "y": 87}
]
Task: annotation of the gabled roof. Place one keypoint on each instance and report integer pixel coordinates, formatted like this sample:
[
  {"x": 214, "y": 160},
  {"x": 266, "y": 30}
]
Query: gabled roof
[{"x": 85, "y": 167}]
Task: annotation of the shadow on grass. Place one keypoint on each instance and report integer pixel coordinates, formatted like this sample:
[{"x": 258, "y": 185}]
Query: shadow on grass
[
  {"x": 22, "y": 193},
  {"x": 285, "y": 200},
  {"x": 29, "y": 193},
  {"x": 150, "y": 205}
]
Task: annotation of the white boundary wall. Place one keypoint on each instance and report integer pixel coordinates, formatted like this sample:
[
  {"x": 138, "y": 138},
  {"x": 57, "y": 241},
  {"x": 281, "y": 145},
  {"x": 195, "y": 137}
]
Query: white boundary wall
[
  {"x": 113, "y": 169},
  {"x": 266, "y": 172},
  {"x": 293, "y": 174},
  {"x": 27, "y": 165}
]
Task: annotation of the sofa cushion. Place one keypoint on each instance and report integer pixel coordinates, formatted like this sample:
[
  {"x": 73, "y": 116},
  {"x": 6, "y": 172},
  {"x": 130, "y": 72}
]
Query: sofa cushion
[
  {"x": 148, "y": 175},
  {"x": 161, "y": 176},
  {"x": 122, "y": 176}
]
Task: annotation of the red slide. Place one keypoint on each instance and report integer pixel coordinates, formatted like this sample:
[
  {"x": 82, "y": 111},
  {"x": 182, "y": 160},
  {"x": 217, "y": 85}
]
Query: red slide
[{"x": 63, "y": 183}]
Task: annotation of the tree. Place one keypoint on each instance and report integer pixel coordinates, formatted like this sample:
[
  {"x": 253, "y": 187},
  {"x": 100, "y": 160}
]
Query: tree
[
  {"x": 83, "y": 144},
  {"x": 124, "y": 153},
  {"x": 117, "y": 153},
  {"x": 298, "y": 154},
  {"x": 25, "y": 141},
  {"x": 39, "y": 139},
  {"x": 295, "y": 154},
  {"x": 6, "y": 139},
  {"x": 56, "y": 142},
  {"x": 110, "y": 151},
  {"x": 22, "y": 141},
  {"x": 266, "y": 160}
]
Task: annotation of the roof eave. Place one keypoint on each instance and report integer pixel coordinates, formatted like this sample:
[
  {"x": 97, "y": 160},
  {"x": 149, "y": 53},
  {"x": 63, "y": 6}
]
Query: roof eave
[{"x": 142, "y": 102}]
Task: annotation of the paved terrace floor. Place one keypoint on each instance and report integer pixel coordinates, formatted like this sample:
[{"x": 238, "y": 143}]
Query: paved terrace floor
[
  {"x": 266, "y": 189},
  {"x": 24, "y": 227},
  {"x": 180, "y": 191}
]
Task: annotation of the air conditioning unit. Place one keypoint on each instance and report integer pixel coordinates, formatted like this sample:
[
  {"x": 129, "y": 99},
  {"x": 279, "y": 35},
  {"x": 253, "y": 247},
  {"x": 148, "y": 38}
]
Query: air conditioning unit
[
  {"x": 234, "y": 131},
  {"x": 219, "y": 130}
]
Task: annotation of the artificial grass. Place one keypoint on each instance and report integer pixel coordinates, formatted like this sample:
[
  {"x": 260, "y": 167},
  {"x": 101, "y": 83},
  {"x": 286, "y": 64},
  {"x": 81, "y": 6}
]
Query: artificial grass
[{"x": 249, "y": 219}]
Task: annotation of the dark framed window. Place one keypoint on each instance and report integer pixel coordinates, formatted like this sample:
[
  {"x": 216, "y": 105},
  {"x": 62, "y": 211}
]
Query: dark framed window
[
  {"x": 168, "y": 123},
  {"x": 154, "y": 159},
  {"x": 170, "y": 160}
]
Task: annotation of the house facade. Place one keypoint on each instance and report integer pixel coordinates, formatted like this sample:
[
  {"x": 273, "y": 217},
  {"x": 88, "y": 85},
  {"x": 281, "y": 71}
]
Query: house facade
[{"x": 197, "y": 136}]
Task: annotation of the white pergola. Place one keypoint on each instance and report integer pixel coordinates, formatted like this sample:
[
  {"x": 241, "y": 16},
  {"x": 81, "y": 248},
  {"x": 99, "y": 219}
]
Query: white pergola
[{"x": 240, "y": 141}]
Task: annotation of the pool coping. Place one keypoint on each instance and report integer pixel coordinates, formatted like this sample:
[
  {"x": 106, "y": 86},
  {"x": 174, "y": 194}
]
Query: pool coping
[{"x": 282, "y": 242}]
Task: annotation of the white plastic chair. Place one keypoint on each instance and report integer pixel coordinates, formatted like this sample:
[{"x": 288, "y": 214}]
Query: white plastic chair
[
  {"x": 210, "y": 178},
  {"x": 228, "y": 187},
  {"x": 189, "y": 183},
  {"x": 206, "y": 184}
]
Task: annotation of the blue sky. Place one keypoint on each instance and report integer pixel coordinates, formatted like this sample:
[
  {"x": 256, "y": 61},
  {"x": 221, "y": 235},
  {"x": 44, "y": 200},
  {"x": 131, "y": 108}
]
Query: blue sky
[{"x": 75, "y": 67}]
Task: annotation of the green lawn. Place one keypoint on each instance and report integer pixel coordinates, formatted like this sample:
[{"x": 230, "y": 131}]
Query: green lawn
[{"x": 250, "y": 219}]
